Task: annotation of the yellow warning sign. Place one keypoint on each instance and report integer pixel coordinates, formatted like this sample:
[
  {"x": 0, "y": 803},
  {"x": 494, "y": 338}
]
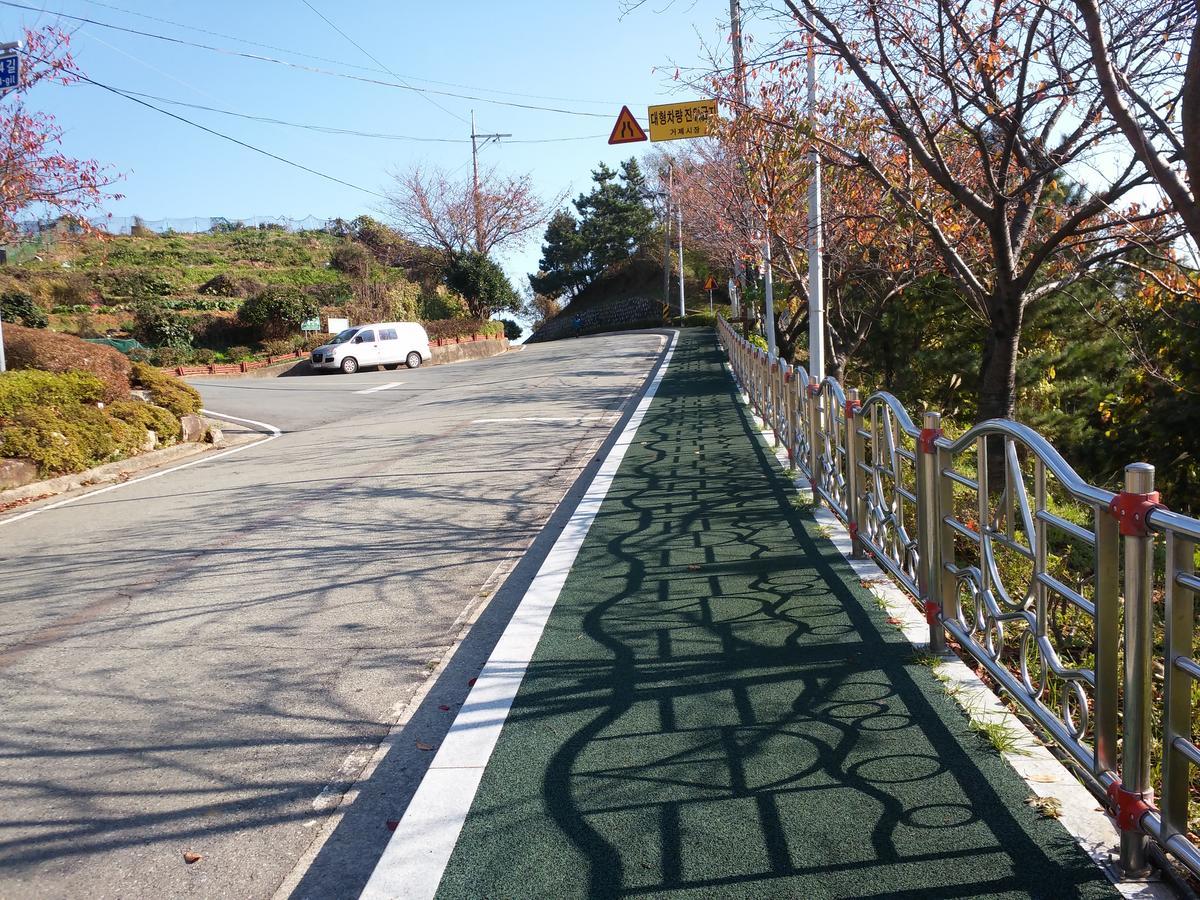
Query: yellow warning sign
[
  {"x": 674, "y": 121},
  {"x": 627, "y": 130},
  {"x": 710, "y": 283}
]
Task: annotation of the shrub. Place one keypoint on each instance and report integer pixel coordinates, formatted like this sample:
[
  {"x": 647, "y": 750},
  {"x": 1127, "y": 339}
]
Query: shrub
[
  {"x": 278, "y": 310},
  {"x": 512, "y": 330},
  {"x": 18, "y": 306},
  {"x": 483, "y": 283},
  {"x": 73, "y": 290},
  {"x": 36, "y": 348},
  {"x": 211, "y": 330},
  {"x": 148, "y": 416},
  {"x": 170, "y": 356},
  {"x": 139, "y": 354},
  {"x": 60, "y": 442},
  {"x": 442, "y": 303},
  {"x": 757, "y": 340},
  {"x": 203, "y": 356},
  {"x": 166, "y": 391},
  {"x": 279, "y": 347},
  {"x": 695, "y": 320},
  {"x": 20, "y": 389},
  {"x": 352, "y": 259},
  {"x": 225, "y": 285},
  {"x": 451, "y": 328},
  {"x": 237, "y": 354},
  {"x": 158, "y": 326}
]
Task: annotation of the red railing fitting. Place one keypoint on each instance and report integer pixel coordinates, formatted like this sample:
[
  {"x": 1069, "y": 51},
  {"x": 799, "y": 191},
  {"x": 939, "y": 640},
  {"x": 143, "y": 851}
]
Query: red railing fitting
[
  {"x": 787, "y": 375},
  {"x": 813, "y": 389},
  {"x": 852, "y": 527},
  {"x": 928, "y": 439},
  {"x": 1129, "y": 806},
  {"x": 852, "y": 408},
  {"x": 932, "y": 610},
  {"x": 1130, "y": 511},
  {"x": 812, "y": 486}
]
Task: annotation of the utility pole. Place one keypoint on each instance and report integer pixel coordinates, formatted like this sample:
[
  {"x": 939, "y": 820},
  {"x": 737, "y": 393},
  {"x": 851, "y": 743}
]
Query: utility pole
[
  {"x": 475, "y": 145},
  {"x": 739, "y": 74},
  {"x": 667, "y": 241},
  {"x": 10, "y": 47},
  {"x": 679, "y": 212},
  {"x": 768, "y": 288},
  {"x": 816, "y": 299}
]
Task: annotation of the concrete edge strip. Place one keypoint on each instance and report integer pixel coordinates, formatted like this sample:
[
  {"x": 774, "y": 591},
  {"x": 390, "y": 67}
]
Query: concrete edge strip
[
  {"x": 416, "y": 856},
  {"x": 1044, "y": 773},
  {"x": 272, "y": 433}
]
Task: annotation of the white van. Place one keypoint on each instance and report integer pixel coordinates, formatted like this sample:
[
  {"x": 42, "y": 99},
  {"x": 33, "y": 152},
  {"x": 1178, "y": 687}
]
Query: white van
[{"x": 384, "y": 344}]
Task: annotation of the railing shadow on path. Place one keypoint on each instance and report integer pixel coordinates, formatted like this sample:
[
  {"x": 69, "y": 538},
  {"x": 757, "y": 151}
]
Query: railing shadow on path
[{"x": 716, "y": 707}]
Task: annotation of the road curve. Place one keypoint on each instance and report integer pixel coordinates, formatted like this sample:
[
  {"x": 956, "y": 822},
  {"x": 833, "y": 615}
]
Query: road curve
[{"x": 201, "y": 662}]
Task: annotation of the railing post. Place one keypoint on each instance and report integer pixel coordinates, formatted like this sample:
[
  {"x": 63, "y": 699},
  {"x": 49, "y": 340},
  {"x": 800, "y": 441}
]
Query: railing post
[
  {"x": 812, "y": 396},
  {"x": 855, "y": 506},
  {"x": 1177, "y": 696},
  {"x": 774, "y": 371},
  {"x": 789, "y": 410},
  {"x": 1133, "y": 795},
  {"x": 930, "y": 500}
]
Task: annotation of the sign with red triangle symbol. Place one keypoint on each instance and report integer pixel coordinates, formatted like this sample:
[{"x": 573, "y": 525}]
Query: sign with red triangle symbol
[{"x": 627, "y": 130}]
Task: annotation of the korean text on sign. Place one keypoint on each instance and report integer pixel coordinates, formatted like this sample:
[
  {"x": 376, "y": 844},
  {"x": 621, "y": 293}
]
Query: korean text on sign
[{"x": 673, "y": 121}]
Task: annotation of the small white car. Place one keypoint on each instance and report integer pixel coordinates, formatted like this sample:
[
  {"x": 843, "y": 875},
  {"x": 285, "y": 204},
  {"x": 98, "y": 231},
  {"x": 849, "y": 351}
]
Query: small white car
[{"x": 386, "y": 344}]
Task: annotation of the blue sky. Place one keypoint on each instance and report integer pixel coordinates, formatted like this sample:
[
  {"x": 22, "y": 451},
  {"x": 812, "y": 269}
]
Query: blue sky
[{"x": 571, "y": 51}]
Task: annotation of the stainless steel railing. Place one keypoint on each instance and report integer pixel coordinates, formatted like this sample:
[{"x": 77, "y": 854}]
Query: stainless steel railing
[{"x": 1019, "y": 560}]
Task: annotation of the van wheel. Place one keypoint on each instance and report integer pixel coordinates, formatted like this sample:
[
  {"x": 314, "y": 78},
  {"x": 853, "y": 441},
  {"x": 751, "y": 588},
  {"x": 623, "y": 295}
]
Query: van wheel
[
  {"x": 391, "y": 366},
  {"x": 414, "y": 360},
  {"x": 349, "y": 365}
]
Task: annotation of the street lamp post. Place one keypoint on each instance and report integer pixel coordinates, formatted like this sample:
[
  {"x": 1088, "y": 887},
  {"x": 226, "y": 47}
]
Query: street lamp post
[{"x": 9, "y": 47}]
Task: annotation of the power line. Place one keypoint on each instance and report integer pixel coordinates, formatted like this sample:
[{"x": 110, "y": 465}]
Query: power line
[
  {"x": 329, "y": 129},
  {"x": 377, "y": 62},
  {"x": 305, "y": 68},
  {"x": 219, "y": 134},
  {"x": 348, "y": 65}
]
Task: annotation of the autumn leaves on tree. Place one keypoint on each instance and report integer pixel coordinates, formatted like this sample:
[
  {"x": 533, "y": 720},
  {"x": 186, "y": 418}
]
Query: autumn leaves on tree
[{"x": 35, "y": 175}]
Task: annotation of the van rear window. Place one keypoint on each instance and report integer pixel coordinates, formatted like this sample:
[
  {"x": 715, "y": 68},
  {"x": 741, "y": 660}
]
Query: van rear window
[{"x": 387, "y": 334}]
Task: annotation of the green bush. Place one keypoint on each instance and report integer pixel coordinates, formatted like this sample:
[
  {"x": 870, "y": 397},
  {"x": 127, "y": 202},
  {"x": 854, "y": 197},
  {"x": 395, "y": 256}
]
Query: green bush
[
  {"x": 167, "y": 391},
  {"x": 225, "y": 285},
  {"x": 237, "y": 354},
  {"x": 169, "y": 357},
  {"x": 442, "y": 303},
  {"x": 512, "y": 330},
  {"x": 158, "y": 326},
  {"x": 68, "y": 442},
  {"x": 37, "y": 348},
  {"x": 148, "y": 416},
  {"x": 352, "y": 259},
  {"x": 695, "y": 320},
  {"x": 757, "y": 340},
  {"x": 279, "y": 347},
  {"x": 277, "y": 311},
  {"x": 452, "y": 328},
  {"x": 24, "y": 388},
  {"x": 203, "y": 356},
  {"x": 18, "y": 306}
]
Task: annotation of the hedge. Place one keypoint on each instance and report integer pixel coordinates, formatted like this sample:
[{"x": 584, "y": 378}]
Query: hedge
[
  {"x": 439, "y": 329},
  {"x": 35, "y": 348},
  {"x": 68, "y": 442},
  {"x": 166, "y": 390},
  {"x": 23, "y": 388},
  {"x": 148, "y": 416}
]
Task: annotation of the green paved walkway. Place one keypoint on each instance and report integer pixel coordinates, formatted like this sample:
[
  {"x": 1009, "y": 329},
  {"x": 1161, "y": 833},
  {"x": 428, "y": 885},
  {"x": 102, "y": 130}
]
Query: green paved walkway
[{"x": 718, "y": 709}]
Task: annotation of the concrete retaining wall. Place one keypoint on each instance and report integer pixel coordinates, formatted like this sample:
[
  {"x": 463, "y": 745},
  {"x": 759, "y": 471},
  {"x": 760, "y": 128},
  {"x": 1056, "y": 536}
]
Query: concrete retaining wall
[{"x": 607, "y": 315}]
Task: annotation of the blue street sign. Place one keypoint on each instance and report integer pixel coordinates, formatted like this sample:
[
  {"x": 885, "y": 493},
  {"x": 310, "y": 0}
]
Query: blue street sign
[{"x": 10, "y": 71}]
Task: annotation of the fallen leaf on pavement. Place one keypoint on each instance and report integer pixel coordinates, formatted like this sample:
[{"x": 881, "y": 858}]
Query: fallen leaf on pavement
[
  {"x": 421, "y": 745},
  {"x": 392, "y": 823},
  {"x": 444, "y": 707},
  {"x": 189, "y": 857},
  {"x": 1044, "y": 779},
  {"x": 471, "y": 683},
  {"x": 694, "y": 567},
  {"x": 1047, "y": 807}
]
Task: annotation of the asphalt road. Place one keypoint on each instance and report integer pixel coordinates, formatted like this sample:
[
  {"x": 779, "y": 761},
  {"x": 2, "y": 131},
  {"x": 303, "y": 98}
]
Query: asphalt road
[{"x": 205, "y": 661}]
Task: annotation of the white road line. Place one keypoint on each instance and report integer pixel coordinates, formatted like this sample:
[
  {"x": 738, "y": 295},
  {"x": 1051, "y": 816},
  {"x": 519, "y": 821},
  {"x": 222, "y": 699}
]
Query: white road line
[
  {"x": 546, "y": 419},
  {"x": 381, "y": 387},
  {"x": 274, "y": 433},
  {"x": 415, "y": 859}
]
